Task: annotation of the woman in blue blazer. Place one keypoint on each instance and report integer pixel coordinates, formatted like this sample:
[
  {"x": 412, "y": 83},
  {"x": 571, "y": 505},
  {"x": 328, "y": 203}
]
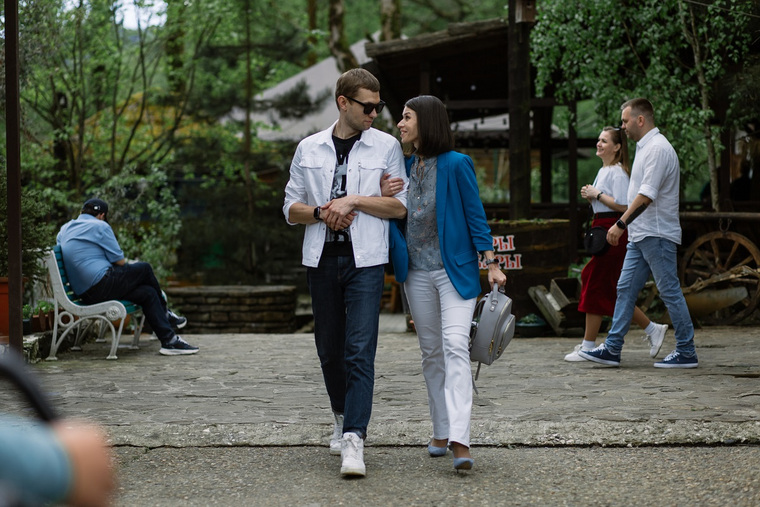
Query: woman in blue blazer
[{"x": 435, "y": 255}]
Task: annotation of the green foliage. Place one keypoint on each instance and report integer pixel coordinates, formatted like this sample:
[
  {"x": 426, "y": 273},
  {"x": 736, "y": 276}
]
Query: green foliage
[
  {"x": 642, "y": 49},
  {"x": 43, "y": 307},
  {"x": 36, "y": 235},
  {"x": 145, "y": 217}
]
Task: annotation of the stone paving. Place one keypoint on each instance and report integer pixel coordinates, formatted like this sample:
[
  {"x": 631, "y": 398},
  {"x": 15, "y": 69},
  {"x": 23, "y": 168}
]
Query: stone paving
[{"x": 267, "y": 390}]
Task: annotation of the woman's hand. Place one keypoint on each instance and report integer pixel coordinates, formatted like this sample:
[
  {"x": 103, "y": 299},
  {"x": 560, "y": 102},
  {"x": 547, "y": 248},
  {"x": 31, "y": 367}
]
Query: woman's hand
[
  {"x": 496, "y": 276},
  {"x": 390, "y": 186},
  {"x": 589, "y": 192}
]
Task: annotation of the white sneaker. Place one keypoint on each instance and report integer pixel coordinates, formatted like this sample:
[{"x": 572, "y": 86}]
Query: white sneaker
[
  {"x": 353, "y": 455},
  {"x": 655, "y": 339},
  {"x": 336, "y": 441},
  {"x": 573, "y": 356}
]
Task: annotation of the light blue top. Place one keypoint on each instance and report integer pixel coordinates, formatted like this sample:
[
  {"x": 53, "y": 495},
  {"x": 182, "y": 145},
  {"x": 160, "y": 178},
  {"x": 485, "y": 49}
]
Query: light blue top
[
  {"x": 463, "y": 229},
  {"x": 34, "y": 467},
  {"x": 421, "y": 223},
  {"x": 89, "y": 248}
]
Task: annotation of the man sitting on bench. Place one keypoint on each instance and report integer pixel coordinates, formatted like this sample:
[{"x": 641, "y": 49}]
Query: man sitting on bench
[{"x": 99, "y": 272}]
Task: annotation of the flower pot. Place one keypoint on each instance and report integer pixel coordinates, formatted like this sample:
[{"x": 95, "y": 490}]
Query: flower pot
[
  {"x": 39, "y": 322},
  {"x": 27, "y": 326}
]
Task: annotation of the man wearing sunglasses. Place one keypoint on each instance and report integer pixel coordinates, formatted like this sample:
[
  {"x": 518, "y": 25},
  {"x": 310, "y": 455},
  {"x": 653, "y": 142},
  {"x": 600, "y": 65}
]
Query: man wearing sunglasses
[{"x": 334, "y": 190}]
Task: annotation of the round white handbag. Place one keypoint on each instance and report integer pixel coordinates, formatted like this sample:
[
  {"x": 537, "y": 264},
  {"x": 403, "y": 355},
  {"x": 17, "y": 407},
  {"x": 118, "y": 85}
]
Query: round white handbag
[{"x": 493, "y": 327}]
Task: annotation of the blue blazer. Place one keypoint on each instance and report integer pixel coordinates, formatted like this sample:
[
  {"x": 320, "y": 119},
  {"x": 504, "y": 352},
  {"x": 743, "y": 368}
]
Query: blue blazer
[{"x": 463, "y": 229}]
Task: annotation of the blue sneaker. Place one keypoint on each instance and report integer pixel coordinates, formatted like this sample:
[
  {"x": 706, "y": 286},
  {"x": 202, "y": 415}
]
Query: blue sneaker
[
  {"x": 677, "y": 360},
  {"x": 601, "y": 355},
  {"x": 177, "y": 347},
  {"x": 175, "y": 321}
]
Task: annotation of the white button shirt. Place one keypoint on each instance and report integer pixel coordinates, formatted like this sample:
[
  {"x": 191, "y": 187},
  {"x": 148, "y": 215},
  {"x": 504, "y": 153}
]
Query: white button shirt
[
  {"x": 656, "y": 174},
  {"x": 311, "y": 177}
]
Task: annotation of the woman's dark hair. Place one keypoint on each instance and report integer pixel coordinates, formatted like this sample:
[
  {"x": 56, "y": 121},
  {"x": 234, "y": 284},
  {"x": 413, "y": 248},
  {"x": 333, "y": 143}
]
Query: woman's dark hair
[
  {"x": 433, "y": 126},
  {"x": 618, "y": 137}
]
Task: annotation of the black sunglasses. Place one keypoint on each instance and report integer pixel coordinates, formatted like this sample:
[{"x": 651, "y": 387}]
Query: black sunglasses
[{"x": 368, "y": 106}]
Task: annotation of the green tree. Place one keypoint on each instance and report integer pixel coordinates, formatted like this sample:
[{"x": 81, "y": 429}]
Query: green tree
[{"x": 674, "y": 52}]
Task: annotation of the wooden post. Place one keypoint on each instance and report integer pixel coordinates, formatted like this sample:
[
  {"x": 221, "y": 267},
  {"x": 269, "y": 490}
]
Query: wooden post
[
  {"x": 13, "y": 152},
  {"x": 573, "y": 187},
  {"x": 519, "y": 114}
]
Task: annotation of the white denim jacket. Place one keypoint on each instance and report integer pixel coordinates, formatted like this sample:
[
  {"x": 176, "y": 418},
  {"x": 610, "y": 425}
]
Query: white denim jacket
[{"x": 311, "y": 178}]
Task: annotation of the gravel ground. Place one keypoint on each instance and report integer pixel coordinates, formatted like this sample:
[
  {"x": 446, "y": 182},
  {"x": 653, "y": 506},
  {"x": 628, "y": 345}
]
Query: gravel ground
[{"x": 309, "y": 476}]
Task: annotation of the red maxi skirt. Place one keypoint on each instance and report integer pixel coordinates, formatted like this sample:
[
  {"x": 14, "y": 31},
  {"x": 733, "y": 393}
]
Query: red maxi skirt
[{"x": 600, "y": 276}]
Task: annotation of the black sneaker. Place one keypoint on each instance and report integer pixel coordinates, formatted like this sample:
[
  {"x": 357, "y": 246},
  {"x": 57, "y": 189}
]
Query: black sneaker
[
  {"x": 175, "y": 320},
  {"x": 177, "y": 347}
]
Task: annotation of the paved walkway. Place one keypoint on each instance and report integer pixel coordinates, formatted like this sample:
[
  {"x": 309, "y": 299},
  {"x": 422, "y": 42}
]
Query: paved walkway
[{"x": 266, "y": 389}]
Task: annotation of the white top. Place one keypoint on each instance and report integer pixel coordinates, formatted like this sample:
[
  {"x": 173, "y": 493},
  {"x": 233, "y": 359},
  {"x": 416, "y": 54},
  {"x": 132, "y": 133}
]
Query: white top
[
  {"x": 311, "y": 178},
  {"x": 613, "y": 181},
  {"x": 656, "y": 175}
]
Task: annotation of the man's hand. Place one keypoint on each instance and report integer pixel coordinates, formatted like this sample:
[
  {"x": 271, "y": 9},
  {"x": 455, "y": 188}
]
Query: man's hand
[
  {"x": 390, "y": 186},
  {"x": 338, "y": 214},
  {"x": 613, "y": 235},
  {"x": 91, "y": 462}
]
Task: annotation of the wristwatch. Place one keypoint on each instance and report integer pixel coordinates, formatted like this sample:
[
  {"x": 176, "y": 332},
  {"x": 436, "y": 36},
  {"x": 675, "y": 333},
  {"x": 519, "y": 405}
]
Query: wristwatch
[
  {"x": 621, "y": 224},
  {"x": 599, "y": 196},
  {"x": 317, "y": 212},
  {"x": 488, "y": 262}
]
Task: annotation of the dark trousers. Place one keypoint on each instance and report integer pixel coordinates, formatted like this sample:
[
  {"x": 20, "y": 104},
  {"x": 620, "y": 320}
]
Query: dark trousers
[
  {"x": 134, "y": 282},
  {"x": 346, "y": 305}
]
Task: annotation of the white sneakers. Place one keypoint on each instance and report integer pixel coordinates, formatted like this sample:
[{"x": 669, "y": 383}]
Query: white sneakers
[
  {"x": 573, "y": 356},
  {"x": 655, "y": 339},
  {"x": 353, "y": 455},
  {"x": 336, "y": 441}
]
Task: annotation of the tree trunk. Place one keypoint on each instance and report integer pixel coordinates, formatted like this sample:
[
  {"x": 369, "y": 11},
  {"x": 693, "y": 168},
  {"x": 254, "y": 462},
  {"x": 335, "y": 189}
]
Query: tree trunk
[
  {"x": 247, "y": 130},
  {"x": 345, "y": 59},
  {"x": 390, "y": 19},
  {"x": 311, "y": 8},
  {"x": 175, "y": 46},
  {"x": 690, "y": 32}
]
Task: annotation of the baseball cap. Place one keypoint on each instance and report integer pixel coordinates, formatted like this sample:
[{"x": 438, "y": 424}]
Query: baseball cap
[{"x": 97, "y": 205}]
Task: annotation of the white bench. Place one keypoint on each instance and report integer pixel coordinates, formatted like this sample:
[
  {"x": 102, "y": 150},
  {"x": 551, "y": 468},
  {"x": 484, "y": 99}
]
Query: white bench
[{"x": 71, "y": 312}]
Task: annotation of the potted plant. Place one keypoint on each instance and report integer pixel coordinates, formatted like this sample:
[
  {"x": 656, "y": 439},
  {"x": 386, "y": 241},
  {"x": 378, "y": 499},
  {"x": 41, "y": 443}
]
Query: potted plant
[
  {"x": 37, "y": 237},
  {"x": 26, "y": 314}
]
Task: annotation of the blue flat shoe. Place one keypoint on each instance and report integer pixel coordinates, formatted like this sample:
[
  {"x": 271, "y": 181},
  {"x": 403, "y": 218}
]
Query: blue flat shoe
[
  {"x": 463, "y": 463},
  {"x": 437, "y": 452}
]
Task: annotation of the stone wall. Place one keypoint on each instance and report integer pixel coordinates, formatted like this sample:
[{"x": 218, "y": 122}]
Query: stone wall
[{"x": 217, "y": 309}]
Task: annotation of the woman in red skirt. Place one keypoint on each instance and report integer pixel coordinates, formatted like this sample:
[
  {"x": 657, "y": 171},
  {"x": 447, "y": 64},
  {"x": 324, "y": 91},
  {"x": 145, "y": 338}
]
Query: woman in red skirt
[{"x": 608, "y": 197}]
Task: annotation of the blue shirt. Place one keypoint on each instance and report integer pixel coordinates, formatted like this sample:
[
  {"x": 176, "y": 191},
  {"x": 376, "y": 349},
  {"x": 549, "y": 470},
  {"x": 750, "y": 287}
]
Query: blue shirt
[{"x": 89, "y": 248}]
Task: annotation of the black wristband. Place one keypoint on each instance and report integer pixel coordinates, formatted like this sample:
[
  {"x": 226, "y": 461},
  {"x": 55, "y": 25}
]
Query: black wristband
[
  {"x": 599, "y": 196},
  {"x": 317, "y": 212},
  {"x": 621, "y": 224},
  {"x": 488, "y": 262}
]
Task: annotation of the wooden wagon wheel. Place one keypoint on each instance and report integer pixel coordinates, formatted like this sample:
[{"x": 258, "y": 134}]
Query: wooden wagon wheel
[{"x": 716, "y": 253}]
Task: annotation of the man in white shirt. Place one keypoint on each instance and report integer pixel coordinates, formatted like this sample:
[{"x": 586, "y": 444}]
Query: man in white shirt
[
  {"x": 654, "y": 233},
  {"x": 334, "y": 189}
]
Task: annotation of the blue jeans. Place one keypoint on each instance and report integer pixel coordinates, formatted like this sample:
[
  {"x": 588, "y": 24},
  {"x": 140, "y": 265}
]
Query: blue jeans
[
  {"x": 135, "y": 282},
  {"x": 345, "y": 301},
  {"x": 656, "y": 256}
]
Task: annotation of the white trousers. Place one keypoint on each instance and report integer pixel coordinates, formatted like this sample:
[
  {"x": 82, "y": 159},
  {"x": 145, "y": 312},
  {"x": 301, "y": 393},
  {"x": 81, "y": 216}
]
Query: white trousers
[{"x": 442, "y": 319}]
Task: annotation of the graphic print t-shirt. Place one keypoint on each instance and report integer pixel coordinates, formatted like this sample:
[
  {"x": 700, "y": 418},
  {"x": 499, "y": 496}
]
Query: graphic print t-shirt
[{"x": 342, "y": 149}]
